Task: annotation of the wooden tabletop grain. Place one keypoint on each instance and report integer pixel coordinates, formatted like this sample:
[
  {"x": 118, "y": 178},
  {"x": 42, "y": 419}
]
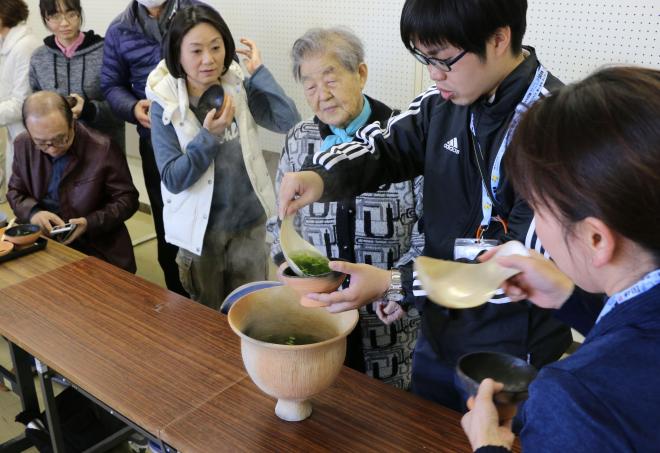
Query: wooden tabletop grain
[
  {"x": 356, "y": 414},
  {"x": 148, "y": 353},
  {"x": 20, "y": 269},
  {"x": 173, "y": 367}
]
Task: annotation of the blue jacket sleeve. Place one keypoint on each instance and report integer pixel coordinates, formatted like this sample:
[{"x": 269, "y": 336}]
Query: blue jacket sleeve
[
  {"x": 115, "y": 79},
  {"x": 581, "y": 310},
  {"x": 179, "y": 170},
  {"x": 562, "y": 414},
  {"x": 269, "y": 105}
]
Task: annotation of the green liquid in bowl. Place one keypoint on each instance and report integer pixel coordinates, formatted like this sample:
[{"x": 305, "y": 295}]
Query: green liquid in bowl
[{"x": 310, "y": 264}]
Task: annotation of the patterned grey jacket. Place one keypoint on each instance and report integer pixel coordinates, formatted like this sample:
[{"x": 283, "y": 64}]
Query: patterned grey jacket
[{"x": 380, "y": 228}]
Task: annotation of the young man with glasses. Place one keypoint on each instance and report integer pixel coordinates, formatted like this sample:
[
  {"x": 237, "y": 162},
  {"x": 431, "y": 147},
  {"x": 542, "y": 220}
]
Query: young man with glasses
[
  {"x": 455, "y": 134},
  {"x": 65, "y": 172}
]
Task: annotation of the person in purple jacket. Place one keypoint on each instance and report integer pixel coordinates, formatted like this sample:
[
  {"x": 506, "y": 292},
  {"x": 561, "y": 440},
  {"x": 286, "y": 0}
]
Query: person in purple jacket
[
  {"x": 587, "y": 161},
  {"x": 132, "y": 50}
]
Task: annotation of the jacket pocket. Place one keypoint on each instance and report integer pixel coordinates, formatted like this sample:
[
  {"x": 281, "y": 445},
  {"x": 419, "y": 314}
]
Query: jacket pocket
[{"x": 186, "y": 269}]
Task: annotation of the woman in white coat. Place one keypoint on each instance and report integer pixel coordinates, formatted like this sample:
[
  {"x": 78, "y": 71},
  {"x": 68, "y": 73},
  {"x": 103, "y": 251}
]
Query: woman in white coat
[
  {"x": 16, "y": 46},
  {"x": 217, "y": 192}
]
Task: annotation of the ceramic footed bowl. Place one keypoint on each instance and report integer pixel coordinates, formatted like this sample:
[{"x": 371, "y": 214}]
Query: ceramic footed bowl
[
  {"x": 325, "y": 283},
  {"x": 23, "y": 234},
  {"x": 513, "y": 372},
  {"x": 292, "y": 373}
]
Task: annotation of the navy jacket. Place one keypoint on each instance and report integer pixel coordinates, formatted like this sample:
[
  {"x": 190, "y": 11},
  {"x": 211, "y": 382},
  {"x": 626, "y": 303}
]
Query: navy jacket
[
  {"x": 605, "y": 397},
  {"x": 128, "y": 58},
  {"x": 433, "y": 138}
]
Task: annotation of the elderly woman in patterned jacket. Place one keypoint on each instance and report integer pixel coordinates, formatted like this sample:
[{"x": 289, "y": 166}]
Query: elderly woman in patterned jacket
[{"x": 380, "y": 228}]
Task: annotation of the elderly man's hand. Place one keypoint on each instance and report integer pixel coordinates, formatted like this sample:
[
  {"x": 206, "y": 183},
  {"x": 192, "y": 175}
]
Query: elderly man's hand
[
  {"x": 46, "y": 220},
  {"x": 79, "y": 231},
  {"x": 78, "y": 108},
  {"x": 252, "y": 55}
]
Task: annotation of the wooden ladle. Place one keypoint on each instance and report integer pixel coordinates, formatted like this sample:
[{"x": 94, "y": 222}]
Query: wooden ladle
[
  {"x": 461, "y": 285},
  {"x": 294, "y": 245}
]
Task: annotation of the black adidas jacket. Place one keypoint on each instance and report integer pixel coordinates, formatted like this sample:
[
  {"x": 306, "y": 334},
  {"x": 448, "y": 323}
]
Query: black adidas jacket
[{"x": 414, "y": 144}]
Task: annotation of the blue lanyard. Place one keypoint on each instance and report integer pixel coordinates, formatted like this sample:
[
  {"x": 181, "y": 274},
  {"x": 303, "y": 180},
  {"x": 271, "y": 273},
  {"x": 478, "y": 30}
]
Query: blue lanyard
[
  {"x": 649, "y": 281},
  {"x": 531, "y": 96}
]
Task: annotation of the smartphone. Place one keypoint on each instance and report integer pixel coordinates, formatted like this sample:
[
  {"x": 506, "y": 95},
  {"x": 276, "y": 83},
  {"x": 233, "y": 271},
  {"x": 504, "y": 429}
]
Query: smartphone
[{"x": 63, "y": 232}]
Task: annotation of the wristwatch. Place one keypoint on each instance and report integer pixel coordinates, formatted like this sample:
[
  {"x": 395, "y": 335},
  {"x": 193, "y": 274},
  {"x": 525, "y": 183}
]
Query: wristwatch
[{"x": 395, "y": 292}]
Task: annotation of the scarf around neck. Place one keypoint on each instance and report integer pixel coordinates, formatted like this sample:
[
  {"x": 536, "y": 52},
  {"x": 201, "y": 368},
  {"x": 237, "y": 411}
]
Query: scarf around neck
[{"x": 340, "y": 135}]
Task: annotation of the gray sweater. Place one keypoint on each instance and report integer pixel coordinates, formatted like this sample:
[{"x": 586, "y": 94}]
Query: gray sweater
[{"x": 51, "y": 70}]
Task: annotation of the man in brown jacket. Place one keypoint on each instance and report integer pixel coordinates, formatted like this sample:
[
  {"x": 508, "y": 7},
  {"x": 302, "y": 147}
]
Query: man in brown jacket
[{"x": 64, "y": 170}]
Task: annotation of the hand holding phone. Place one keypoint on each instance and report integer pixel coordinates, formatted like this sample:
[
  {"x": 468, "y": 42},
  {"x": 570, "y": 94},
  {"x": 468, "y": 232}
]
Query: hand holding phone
[{"x": 63, "y": 232}]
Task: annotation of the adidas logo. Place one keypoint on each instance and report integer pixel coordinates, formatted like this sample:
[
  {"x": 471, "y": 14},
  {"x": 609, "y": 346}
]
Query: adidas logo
[{"x": 452, "y": 145}]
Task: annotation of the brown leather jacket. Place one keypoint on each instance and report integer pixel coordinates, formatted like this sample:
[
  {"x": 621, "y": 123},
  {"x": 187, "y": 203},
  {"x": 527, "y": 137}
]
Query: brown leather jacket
[{"x": 96, "y": 184}]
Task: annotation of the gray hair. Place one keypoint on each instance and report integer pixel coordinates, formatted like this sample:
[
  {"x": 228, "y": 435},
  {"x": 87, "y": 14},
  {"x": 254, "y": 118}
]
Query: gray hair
[{"x": 339, "y": 41}]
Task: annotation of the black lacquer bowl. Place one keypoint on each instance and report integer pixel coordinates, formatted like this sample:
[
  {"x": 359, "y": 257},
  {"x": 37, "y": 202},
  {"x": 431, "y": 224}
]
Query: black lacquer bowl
[{"x": 513, "y": 372}]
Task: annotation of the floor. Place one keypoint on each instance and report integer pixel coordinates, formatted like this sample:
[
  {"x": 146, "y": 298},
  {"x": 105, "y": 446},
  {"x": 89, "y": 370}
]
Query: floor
[{"x": 143, "y": 236}]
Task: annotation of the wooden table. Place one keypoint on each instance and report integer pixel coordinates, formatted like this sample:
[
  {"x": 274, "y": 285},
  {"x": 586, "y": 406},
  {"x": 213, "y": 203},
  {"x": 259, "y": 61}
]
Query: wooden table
[
  {"x": 53, "y": 256},
  {"x": 173, "y": 367}
]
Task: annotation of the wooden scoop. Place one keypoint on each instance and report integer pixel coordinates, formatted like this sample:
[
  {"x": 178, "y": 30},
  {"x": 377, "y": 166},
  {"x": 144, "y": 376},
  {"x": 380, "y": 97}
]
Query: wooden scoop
[
  {"x": 293, "y": 245},
  {"x": 461, "y": 285}
]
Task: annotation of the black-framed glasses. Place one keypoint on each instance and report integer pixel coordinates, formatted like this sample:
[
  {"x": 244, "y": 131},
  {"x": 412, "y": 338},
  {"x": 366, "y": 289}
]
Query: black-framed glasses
[
  {"x": 70, "y": 17},
  {"x": 57, "y": 142},
  {"x": 443, "y": 65}
]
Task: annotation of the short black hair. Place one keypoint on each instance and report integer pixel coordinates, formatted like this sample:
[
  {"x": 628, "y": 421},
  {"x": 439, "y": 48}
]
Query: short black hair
[
  {"x": 49, "y": 8},
  {"x": 13, "y": 12},
  {"x": 464, "y": 24},
  {"x": 44, "y": 102},
  {"x": 182, "y": 22}
]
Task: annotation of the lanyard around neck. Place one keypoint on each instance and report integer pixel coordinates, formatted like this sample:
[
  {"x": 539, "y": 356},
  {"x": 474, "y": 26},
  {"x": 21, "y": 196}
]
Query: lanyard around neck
[
  {"x": 647, "y": 283},
  {"x": 532, "y": 95}
]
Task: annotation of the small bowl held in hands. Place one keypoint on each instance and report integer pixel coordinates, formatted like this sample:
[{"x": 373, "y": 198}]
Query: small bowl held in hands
[
  {"x": 23, "y": 234},
  {"x": 324, "y": 283},
  {"x": 212, "y": 98},
  {"x": 513, "y": 372}
]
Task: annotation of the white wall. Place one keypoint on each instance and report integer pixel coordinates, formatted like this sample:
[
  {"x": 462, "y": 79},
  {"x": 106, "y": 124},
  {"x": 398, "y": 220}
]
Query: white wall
[{"x": 572, "y": 38}]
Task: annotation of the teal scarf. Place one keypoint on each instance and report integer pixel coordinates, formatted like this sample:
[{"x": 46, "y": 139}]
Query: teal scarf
[{"x": 340, "y": 136}]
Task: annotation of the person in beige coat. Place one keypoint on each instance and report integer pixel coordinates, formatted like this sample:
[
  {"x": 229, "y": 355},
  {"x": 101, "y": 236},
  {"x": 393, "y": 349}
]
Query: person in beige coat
[{"x": 16, "y": 46}]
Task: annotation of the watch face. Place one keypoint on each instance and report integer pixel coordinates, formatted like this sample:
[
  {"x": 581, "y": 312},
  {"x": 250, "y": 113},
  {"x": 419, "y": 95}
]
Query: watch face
[{"x": 394, "y": 297}]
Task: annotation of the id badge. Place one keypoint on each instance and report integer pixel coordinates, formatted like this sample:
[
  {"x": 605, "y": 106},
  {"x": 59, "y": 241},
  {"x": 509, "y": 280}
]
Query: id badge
[{"x": 467, "y": 249}]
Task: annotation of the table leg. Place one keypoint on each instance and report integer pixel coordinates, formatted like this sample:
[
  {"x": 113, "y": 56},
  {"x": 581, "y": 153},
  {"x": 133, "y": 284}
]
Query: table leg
[
  {"x": 23, "y": 385},
  {"x": 52, "y": 416}
]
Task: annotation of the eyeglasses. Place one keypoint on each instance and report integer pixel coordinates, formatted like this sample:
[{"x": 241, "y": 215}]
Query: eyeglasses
[
  {"x": 443, "y": 65},
  {"x": 57, "y": 142},
  {"x": 70, "y": 16}
]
